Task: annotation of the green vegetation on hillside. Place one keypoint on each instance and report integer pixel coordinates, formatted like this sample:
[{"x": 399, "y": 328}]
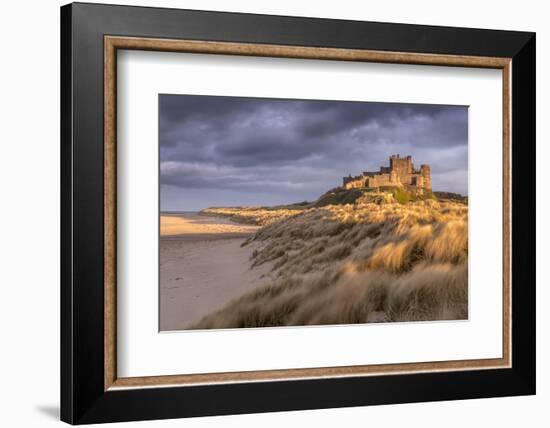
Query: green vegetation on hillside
[
  {"x": 449, "y": 196},
  {"x": 338, "y": 196}
]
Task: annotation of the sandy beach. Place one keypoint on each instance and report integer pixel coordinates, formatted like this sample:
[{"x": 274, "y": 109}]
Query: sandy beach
[
  {"x": 196, "y": 227},
  {"x": 202, "y": 267}
]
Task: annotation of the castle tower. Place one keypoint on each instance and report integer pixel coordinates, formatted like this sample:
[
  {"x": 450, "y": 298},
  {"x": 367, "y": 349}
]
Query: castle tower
[
  {"x": 403, "y": 167},
  {"x": 426, "y": 173}
]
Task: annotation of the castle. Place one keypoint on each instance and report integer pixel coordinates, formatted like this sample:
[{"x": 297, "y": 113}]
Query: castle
[{"x": 400, "y": 173}]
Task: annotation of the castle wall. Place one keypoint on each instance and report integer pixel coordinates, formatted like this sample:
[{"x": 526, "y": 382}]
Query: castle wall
[
  {"x": 354, "y": 184},
  {"x": 379, "y": 180}
]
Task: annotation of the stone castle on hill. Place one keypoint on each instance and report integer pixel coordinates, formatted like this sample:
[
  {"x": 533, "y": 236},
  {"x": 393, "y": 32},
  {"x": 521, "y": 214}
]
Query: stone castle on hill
[{"x": 400, "y": 173}]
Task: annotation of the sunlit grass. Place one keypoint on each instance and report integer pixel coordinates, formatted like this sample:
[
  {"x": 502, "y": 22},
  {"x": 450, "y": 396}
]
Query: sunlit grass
[{"x": 375, "y": 260}]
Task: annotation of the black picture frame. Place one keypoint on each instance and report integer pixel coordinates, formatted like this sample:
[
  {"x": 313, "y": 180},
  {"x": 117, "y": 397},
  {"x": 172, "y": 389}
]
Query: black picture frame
[{"x": 83, "y": 397}]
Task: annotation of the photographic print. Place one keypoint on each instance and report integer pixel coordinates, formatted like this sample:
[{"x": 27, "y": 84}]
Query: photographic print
[{"x": 290, "y": 212}]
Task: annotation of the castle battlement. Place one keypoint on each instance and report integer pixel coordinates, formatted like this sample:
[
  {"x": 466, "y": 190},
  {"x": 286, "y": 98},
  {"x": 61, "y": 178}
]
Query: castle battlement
[{"x": 401, "y": 172}]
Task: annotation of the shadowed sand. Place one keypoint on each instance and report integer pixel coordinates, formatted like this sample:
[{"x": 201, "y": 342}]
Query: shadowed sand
[{"x": 202, "y": 267}]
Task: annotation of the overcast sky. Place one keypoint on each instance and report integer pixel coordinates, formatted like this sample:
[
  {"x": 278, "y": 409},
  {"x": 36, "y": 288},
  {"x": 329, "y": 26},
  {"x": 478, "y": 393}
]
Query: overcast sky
[{"x": 229, "y": 151}]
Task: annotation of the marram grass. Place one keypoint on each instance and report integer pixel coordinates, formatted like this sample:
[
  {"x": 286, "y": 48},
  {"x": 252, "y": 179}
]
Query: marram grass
[{"x": 354, "y": 263}]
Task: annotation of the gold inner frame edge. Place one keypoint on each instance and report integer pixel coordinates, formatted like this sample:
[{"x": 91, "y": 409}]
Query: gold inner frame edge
[{"x": 113, "y": 43}]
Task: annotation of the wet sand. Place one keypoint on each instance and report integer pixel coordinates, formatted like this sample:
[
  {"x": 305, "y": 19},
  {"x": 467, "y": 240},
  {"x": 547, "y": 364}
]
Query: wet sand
[{"x": 202, "y": 267}]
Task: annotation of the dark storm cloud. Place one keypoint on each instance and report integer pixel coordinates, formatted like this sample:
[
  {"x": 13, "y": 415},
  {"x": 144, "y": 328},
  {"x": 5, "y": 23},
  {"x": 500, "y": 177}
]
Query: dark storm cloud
[{"x": 296, "y": 149}]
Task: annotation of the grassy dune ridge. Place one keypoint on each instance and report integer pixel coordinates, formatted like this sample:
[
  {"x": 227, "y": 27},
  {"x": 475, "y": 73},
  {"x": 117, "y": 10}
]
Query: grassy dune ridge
[
  {"x": 371, "y": 261},
  {"x": 252, "y": 215}
]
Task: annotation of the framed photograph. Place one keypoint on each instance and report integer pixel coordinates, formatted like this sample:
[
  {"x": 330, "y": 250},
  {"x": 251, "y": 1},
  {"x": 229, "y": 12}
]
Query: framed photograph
[{"x": 266, "y": 213}]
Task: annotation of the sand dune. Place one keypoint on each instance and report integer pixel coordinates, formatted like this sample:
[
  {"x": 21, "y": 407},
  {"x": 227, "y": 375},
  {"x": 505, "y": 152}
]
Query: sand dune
[
  {"x": 357, "y": 263},
  {"x": 337, "y": 264}
]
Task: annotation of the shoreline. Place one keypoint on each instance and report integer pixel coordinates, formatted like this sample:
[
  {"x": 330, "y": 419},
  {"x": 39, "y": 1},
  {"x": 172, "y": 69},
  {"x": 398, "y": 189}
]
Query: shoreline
[
  {"x": 193, "y": 226},
  {"x": 196, "y": 237},
  {"x": 203, "y": 267}
]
